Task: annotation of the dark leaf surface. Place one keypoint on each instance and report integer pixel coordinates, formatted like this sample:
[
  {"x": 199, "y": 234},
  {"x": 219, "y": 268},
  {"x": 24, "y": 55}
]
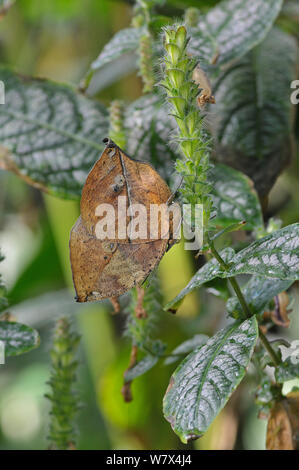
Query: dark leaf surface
[
  {"x": 235, "y": 198},
  {"x": 186, "y": 347},
  {"x": 232, "y": 28},
  {"x": 149, "y": 128},
  {"x": 49, "y": 134},
  {"x": 204, "y": 381},
  {"x": 275, "y": 256},
  {"x": 252, "y": 115}
]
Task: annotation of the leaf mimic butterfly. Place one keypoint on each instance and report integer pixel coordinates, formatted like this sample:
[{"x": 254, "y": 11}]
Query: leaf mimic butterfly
[{"x": 108, "y": 267}]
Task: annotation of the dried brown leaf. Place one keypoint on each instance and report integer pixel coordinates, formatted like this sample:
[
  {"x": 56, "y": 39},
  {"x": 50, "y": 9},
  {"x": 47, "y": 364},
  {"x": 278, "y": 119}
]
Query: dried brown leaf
[{"x": 283, "y": 424}]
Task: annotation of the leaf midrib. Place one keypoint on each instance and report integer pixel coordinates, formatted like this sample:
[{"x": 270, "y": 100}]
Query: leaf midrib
[{"x": 207, "y": 368}]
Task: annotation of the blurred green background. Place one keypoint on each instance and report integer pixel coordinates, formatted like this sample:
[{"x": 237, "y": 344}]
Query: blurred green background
[{"x": 58, "y": 39}]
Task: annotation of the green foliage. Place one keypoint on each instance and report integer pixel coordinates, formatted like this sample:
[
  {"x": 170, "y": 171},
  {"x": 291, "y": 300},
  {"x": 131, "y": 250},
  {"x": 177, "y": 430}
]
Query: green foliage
[
  {"x": 118, "y": 58},
  {"x": 252, "y": 129},
  {"x": 235, "y": 198},
  {"x": 231, "y": 29},
  {"x": 275, "y": 255},
  {"x": 148, "y": 128},
  {"x": 124, "y": 42},
  {"x": 63, "y": 397},
  {"x": 257, "y": 292},
  {"x": 203, "y": 382},
  {"x": 141, "y": 367},
  {"x": 186, "y": 347},
  {"x": 53, "y": 134},
  {"x": 267, "y": 394},
  {"x": 18, "y": 338},
  {"x": 288, "y": 370}
]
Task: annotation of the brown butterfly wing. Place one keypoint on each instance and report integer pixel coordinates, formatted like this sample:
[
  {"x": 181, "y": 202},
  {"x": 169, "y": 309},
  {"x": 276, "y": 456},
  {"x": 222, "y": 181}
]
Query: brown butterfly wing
[
  {"x": 116, "y": 174},
  {"x": 99, "y": 273},
  {"x": 102, "y": 268}
]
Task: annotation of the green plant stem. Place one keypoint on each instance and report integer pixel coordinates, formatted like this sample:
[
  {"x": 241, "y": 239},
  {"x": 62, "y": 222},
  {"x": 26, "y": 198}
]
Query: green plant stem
[
  {"x": 269, "y": 348},
  {"x": 246, "y": 309}
]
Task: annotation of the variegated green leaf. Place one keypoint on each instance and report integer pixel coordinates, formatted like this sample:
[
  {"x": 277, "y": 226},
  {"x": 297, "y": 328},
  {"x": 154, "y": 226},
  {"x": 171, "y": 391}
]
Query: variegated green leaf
[
  {"x": 49, "y": 134},
  {"x": 18, "y": 338},
  {"x": 185, "y": 348},
  {"x": 252, "y": 121},
  {"x": 235, "y": 198},
  {"x": 232, "y": 28},
  {"x": 149, "y": 127},
  {"x": 204, "y": 381},
  {"x": 275, "y": 256}
]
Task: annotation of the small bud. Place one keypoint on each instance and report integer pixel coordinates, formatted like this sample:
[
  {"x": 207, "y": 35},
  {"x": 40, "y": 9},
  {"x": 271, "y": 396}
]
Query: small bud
[
  {"x": 169, "y": 35},
  {"x": 181, "y": 37}
]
